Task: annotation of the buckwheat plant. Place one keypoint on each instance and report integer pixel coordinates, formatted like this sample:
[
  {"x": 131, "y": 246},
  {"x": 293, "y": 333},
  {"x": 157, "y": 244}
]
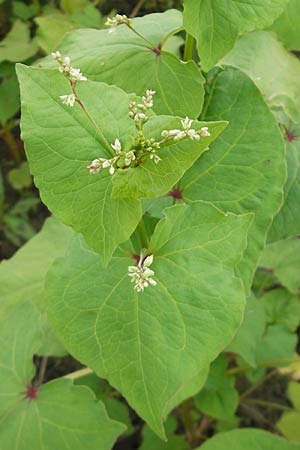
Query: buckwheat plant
[{"x": 164, "y": 168}]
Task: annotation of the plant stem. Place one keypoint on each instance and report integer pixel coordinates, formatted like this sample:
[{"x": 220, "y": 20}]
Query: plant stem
[
  {"x": 11, "y": 143},
  {"x": 141, "y": 36},
  {"x": 142, "y": 233},
  {"x": 256, "y": 385},
  {"x": 268, "y": 404},
  {"x": 91, "y": 119},
  {"x": 185, "y": 410},
  {"x": 42, "y": 370},
  {"x": 268, "y": 363},
  {"x": 188, "y": 48},
  {"x": 78, "y": 374},
  {"x": 137, "y": 8}
]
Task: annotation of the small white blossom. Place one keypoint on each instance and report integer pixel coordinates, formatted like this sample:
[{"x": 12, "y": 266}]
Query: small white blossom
[
  {"x": 140, "y": 118},
  {"x": 118, "y": 19},
  {"x": 117, "y": 146},
  {"x": 129, "y": 156},
  {"x": 56, "y": 55},
  {"x": 204, "y": 132},
  {"x": 187, "y": 131},
  {"x": 76, "y": 75},
  {"x": 68, "y": 100},
  {"x": 141, "y": 275},
  {"x": 66, "y": 69},
  {"x": 102, "y": 163}
]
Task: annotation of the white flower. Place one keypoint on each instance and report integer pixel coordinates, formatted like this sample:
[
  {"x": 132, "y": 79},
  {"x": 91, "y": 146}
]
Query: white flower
[
  {"x": 68, "y": 100},
  {"x": 186, "y": 123},
  {"x": 117, "y": 146},
  {"x": 187, "y": 131},
  {"x": 118, "y": 19},
  {"x": 141, "y": 275},
  {"x": 204, "y": 131},
  {"x": 56, "y": 55},
  {"x": 129, "y": 156},
  {"x": 76, "y": 75},
  {"x": 65, "y": 68},
  {"x": 140, "y": 117},
  {"x": 95, "y": 166}
]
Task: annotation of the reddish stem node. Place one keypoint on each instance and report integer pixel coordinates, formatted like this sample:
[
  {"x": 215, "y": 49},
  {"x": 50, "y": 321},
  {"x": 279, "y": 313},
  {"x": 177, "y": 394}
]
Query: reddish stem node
[
  {"x": 31, "y": 392},
  {"x": 176, "y": 193}
]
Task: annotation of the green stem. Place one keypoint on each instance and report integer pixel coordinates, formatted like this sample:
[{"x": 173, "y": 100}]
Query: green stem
[
  {"x": 142, "y": 233},
  {"x": 268, "y": 404},
  {"x": 268, "y": 363},
  {"x": 185, "y": 410},
  {"x": 91, "y": 119},
  {"x": 188, "y": 48},
  {"x": 256, "y": 385},
  {"x": 42, "y": 370},
  {"x": 11, "y": 143},
  {"x": 141, "y": 36},
  {"x": 137, "y": 8}
]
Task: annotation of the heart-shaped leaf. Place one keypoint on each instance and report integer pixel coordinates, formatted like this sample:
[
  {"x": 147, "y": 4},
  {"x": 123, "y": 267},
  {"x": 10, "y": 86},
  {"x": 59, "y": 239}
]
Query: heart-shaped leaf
[{"x": 149, "y": 344}]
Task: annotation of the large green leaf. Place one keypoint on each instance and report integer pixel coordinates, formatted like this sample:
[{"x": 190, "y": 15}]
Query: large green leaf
[
  {"x": 216, "y": 24},
  {"x": 273, "y": 69},
  {"x": 124, "y": 59},
  {"x": 245, "y": 169},
  {"x": 249, "y": 336},
  {"x": 151, "y": 180},
  {"x": 149, "y": 345},
  {"x": 287, "y": 221},
  {"x": 60, "y": 142},
  {"x": 17, "y": 46},
  {"x": 286, "y": 26},
  {"x": 283, "y": 258},
  {"x": 218, "y": 398},
  {"x": 289, "y": 422},
  {"x": 22, "y": 277},
  {"x": 248, "y": 439},
  {"x": 53, "y": 416}
]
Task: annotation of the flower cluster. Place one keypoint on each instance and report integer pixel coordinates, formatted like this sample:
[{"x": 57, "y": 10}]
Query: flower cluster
[
  {"x": 71, "y": 73},
  {"x": 141, "y": 275},
  {"x": 118, "y": 19},
  {"x": 121, "y": 160},
  {"x": 137, "y": 111},
  {"x": 186, "y": 132},
  {"x": 65, "y": 68}
]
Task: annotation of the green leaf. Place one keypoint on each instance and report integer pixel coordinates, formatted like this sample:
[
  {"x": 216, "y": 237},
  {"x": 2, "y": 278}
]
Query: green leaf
[
  {"x": 22, "y": 277},
  {"x": 123, "y": 59},
  {"x": 115, "y": 407},
  {"x": 23, "y": 11},
  {"x": 9, "y": 92},
  {"x": 60, "y": 142},
  {"x": 245, "y": 169},
  {"x": 20, "y": 178},
  {"x": 286, "y": 26},
  {"x": 287, "y": 221},
  {"x": 282, "y": 307},
  {"x": 269, "y": 350},
  {"x": 289, "y": 421},
  {"x": 260, "y": 55},
  {"x": 217, "y": 24},
  {"x": 149, "y": 344},
  {"x": 153, "y": 180},
  {"x": 248, "y": 439},
  {"x": 17, "y": 46},
  {"x": 283, "y": 258},
  {"x": 249, "y": 336},
  {"x": 51, "y": 30},
  {"x": 89, "y": 17},
  {"x": 218, "y": 398},
  {"x": 175, "y": 441},
  {"x": 72, "y": 6},
  {"x": 46, "y": 417}
]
